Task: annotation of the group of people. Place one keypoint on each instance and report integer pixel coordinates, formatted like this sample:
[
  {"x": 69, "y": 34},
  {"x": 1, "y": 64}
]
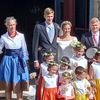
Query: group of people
[{"x": 64, "y": 73}]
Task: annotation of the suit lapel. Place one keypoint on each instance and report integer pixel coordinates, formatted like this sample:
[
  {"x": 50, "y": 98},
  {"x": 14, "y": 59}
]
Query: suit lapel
[
  {"x": 90, "y": 39},
  {"x": 55, "y": 28},
  {"x": 45, "y": 31},
  {"x": 99, "y": 40}
]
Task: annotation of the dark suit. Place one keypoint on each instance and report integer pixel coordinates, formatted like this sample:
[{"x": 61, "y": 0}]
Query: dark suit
[
  {"x": 87, "y": 40},
  {"x": 41, "y": 41}
]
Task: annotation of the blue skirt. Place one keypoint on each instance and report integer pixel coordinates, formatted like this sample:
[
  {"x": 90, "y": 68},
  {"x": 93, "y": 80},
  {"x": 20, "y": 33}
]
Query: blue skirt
[{"x": 10, "y": 79}]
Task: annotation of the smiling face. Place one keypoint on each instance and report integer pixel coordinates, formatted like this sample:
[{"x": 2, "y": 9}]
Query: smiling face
[
  {"x": 79, "y": 53},
  {"x": 11, "y": 26},
  {"x": 49, "y": 58},
  {"x": 63, "y": 67},
  {"x": 49, "y": 18},
  {"x": 53, "y": 70},
  {"x": 94, "y": 25},
  {"x": 66, "y": 29},
  {"x": 65, "y": 80}
]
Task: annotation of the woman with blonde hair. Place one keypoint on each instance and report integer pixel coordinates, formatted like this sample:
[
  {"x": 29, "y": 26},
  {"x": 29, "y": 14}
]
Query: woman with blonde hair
[{"x": 64, "y": 40}]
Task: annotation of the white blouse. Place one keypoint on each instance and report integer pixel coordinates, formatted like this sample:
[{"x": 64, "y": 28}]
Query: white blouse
[
  {"x": 81, "y": 86},
  {"x": 43, "y": 68},
  {"x": 96, "y": 69},
  {"x": 82, "y": 61},
  {"x": 66, "y": 90},
  {"x": 51, "y": 81},
  {"x": 14, "y": 43}
]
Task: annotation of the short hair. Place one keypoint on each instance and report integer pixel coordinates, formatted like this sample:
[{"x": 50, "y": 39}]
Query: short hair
[
  {"x": 94, "y": 20},
  {"x": 8, "y": 19},
  {"x": 48, "y": 11},
  {"x": 80, "y": 70},
  {"x": 66, "y": 23}
]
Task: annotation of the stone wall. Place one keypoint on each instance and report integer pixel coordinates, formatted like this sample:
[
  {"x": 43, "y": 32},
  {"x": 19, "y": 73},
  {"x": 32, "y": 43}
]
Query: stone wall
[{"x": 97, "y": 8}]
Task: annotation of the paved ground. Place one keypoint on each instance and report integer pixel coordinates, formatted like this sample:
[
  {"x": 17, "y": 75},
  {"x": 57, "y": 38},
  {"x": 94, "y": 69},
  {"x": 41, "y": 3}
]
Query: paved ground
[
  {"x": 30, "y": 95},
  {"x": 26, "y": 95}
]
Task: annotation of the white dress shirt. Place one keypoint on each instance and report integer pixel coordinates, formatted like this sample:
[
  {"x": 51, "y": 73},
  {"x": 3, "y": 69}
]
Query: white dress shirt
[{"x": 16, "y": 42}]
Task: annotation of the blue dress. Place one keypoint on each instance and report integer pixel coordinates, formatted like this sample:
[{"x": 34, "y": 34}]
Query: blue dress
[{"x": 14, "y": 73}]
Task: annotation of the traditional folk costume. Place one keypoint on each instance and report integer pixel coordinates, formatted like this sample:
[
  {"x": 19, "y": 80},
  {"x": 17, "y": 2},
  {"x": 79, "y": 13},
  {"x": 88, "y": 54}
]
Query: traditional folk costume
[
  {"x": 43, "y": 72},
  {"x": 81, "y": 89},
  {"x": 13, "y": 68},
  {"x": 65, "y": 90},
  {"x": 96, "y": 70},
  {"x": 75, "y": 61},
  {"x": 50, "y": 87}
]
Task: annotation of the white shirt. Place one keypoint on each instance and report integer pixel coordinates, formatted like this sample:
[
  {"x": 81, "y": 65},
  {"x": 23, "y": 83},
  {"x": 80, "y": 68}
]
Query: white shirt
[
  {"x": 51, "y": 81},
  {"x": 66, "y": 89},
  {"x": 49, "y": 25},
  {"x": 97, "y": 36},
  {"x": 50, "y": 31},
  {"x": 96, "y": 69},
  {"x": 14, "y": 43},
  {"x": 81, "y": 86},
  {"x": 82, "y": 61},
  {"x": 43, "y": 68}
]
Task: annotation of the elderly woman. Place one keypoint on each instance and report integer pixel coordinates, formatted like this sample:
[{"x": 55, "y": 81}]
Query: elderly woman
[
  {"x": 64, "y": 41},
  {"x": 13, "y": 68}
]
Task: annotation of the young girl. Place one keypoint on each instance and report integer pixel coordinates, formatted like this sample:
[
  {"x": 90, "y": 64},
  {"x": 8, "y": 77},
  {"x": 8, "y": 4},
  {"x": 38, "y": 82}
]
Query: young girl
[
  {"x": 47, "y": 57},
  {"x": 81, "y": 85},
  {"x": 78, "y": 59},
  {"x": 66, "y": 90},
  {"x": 94, "y": 73},
  {"x": 64, "y": 67},
  {"x": 49, "y": 83}
]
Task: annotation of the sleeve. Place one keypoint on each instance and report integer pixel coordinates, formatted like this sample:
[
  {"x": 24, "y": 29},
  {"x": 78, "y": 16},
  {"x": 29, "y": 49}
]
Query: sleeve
[
  {"x": 75, "y": 39},
  {"x": 24, "y": 48},
  {"x": 1, "y": 44},
  {"x": 35, "y": 43},
  {"x": 83, "y": 39}
]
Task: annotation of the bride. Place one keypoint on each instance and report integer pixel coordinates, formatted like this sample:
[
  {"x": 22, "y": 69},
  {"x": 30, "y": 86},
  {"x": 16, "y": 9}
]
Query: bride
[{"x": 64, "y": 40}]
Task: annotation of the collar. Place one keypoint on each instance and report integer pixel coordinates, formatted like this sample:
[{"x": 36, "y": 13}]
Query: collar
[
  {"x": 49, "y": 25},
  {"x": 97, "y": 33},
  {"x": 9, "y": 36},
  {"x": 78, "y": 58},
  {"x": 50, "y": 76}
]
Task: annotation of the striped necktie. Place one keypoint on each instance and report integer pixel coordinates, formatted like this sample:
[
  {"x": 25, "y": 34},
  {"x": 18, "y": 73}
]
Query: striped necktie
[{"x": 95, "y": 39}]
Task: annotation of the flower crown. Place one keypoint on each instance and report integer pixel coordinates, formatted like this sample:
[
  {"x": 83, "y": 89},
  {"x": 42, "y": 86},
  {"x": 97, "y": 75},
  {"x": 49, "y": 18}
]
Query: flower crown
[
  {"x": 77, "y": 44},
  {"x": 48, "y": 54},
  {"x": 64, "y": 62},
  {"x": 52, "y": 63},
  {"x": 98, "y": 52},
  {"x": 66, "y": 74}
]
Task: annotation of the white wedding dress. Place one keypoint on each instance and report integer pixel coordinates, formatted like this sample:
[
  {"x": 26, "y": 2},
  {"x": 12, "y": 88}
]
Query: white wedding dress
[{"x": 64, "y": 48}]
